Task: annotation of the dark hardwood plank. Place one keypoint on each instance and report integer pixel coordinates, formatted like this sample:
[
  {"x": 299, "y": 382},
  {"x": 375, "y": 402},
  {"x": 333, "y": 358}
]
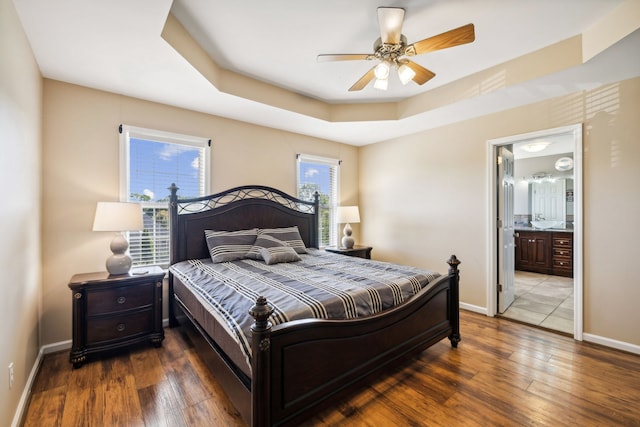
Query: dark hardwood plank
[{"x": 502, "y": 374}]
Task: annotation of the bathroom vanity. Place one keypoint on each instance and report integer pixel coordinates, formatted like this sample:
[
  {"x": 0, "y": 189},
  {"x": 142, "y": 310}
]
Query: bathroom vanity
[{"x": 544, "y": 251}]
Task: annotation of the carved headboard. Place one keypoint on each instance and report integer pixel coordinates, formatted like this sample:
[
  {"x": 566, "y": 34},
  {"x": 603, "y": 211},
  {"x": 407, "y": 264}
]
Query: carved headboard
[{"x": 239, "y": 208}]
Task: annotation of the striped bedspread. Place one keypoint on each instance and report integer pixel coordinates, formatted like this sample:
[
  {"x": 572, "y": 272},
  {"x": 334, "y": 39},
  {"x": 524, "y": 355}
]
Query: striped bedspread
[{"x": 322, "y": 285}]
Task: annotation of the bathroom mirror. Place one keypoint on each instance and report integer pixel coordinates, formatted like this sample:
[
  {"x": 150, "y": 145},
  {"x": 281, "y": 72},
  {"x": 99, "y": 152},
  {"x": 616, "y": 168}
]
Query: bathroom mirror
[{"x": 552, "y": 201}]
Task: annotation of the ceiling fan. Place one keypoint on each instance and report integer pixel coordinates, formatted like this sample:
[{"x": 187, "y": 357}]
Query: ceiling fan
[{"x": 391, "y": 50}]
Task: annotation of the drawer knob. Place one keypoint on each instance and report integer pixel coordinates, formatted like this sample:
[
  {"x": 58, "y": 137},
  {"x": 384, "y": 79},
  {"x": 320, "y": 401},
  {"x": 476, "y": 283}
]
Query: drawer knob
[
  {"x": 121, "y": 300},
  {"x": 120, "y": 327}
]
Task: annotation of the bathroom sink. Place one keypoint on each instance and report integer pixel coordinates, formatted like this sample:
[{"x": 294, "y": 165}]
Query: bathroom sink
[{"x": 547, "y": 224}]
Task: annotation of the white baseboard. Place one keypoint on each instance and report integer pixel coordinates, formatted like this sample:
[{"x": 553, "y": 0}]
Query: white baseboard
[
  {"x": 596, "y": 339},
  {"x": 26, "y": 393},
  {"x": 474, "y": 308},
  {"x": 608, "y": 342},
  {"x": 55, "y": 347}
]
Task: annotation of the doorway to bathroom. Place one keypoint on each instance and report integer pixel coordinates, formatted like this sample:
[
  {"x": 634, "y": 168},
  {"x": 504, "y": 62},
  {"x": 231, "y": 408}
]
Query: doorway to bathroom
[{"x": 535, "y": 231}]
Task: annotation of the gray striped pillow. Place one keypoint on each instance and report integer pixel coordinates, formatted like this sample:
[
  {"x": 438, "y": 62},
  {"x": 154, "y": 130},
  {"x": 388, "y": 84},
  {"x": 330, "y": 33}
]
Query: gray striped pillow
[
  {"x": 278, "y": 254},
  {"x": 230, "y": 245},
  {"x": 289, "y": 235}
]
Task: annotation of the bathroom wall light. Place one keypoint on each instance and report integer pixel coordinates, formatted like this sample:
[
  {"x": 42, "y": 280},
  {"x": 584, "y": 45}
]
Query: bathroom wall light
[{"x": 564, "y": 164}]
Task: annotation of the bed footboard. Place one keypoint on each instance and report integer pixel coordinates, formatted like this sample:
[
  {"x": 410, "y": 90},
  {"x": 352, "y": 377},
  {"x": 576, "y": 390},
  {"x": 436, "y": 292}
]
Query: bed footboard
[{"x": 302, "y": 366}]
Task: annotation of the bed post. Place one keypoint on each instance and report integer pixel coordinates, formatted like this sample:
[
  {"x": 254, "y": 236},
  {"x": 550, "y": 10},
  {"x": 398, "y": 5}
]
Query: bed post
[
  {"x": 454, "y": 300},
  {"x": 261, "y": 363},
  {"x": 173, "y": 230},
  {"x": 316, "y": 219}
]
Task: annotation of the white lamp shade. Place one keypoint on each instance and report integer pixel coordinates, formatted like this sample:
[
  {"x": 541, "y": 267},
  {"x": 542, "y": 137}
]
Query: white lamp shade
[
  {"x": 118, "y": 216},
  {"x": 347, "y": 214}
]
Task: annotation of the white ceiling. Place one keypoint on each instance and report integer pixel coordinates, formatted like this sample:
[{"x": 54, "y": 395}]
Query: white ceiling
[{"x": 117, "y": 46}]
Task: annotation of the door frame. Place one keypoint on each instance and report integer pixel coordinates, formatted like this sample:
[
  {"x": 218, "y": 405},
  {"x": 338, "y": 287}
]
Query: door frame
[{"x": 492, "y": 253}]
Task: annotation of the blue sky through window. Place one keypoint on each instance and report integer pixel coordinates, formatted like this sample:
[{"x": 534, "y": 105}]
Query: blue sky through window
[
  {"x": 315, "y": 173},
  {"x": 155, "y": 165}
]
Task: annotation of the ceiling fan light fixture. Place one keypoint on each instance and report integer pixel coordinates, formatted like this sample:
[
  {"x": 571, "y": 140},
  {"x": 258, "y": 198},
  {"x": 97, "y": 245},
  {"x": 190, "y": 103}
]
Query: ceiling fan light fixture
[
  {"x": 381, "y": 84},
  {"x": 405, "y": 73},
  {"x": 382, "y": 70}
]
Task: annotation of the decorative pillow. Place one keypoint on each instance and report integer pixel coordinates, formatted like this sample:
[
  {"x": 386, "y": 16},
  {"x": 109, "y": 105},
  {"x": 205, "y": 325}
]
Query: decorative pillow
[
  {"x": 289, "y": 235},
  {"x": 279, "y": 254},
  {"x": 264, "y": 241},
  {"x": 230, "y": 245}
]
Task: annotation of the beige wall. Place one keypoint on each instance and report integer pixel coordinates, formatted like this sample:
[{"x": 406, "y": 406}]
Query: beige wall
[
  {"x": 20, "y": 175},
  {"x": 80, "y": 166},
  {"x": 431, "y": 200}
]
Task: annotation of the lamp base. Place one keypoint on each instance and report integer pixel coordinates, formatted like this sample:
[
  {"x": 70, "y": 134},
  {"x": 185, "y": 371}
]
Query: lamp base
[
  {"x": 347, "y": 240},
  {"x": 119, "y": 262}
]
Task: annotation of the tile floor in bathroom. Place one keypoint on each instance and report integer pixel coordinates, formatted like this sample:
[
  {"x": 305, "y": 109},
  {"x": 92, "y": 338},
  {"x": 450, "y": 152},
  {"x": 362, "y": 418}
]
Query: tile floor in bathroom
[{"x": 543, "y": 300}]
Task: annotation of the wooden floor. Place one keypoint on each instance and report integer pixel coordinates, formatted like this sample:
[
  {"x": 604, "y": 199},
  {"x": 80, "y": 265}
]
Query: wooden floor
[{"x": 502, "y": 374}]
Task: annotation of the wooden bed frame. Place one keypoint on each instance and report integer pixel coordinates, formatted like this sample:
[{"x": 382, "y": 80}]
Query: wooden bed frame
[{"x": 302, "y": 366}]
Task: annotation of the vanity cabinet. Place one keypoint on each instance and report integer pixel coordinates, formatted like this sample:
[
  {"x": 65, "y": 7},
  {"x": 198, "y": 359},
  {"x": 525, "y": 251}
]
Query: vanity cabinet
[
  {"x": 533, "y": 251},
  {"x": 562, "y": 254},
  {"x": 546, "y": 252}
]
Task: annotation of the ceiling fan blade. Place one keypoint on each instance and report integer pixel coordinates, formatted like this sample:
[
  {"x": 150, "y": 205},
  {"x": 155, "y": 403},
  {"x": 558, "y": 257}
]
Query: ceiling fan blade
[
  {"x": 364, "y": 80},
  {"x": 455, "y": 37},
  {"x": 343, "y": 57},
  {"x": 390, "y": 21},
  {"x": 422, "y": 74}
]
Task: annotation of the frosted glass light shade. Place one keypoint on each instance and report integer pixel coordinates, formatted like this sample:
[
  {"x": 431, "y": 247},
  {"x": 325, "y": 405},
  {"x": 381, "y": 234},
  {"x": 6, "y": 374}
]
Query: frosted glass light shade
[
  {"x": 381, "y": 84},
  {"x": 382, "y": 70},
  {"x": 405, "y": 73},
  {"x": 535, "y": 147}
]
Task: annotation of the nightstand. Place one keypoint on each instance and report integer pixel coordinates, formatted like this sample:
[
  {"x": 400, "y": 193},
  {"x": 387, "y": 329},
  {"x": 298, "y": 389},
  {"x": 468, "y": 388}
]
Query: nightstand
[
  {"x": 115, "y": 311},
  {"x": 357, "y": 251}
]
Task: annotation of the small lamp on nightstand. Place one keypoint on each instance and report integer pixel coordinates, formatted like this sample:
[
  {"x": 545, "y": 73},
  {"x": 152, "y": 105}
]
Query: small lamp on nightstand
[
  {"x": 347, "y": 215},
  {"x": 117, "y": 216}
]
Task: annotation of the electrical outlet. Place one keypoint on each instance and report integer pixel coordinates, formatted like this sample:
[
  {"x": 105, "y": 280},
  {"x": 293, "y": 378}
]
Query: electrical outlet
[{"x": 10, "y": 375}]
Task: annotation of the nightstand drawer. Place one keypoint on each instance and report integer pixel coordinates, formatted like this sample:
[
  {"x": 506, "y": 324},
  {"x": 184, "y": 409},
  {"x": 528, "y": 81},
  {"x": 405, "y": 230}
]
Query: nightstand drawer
[
  {"x": 119, "y": 299},
  {"x": 108, "y": 328}
]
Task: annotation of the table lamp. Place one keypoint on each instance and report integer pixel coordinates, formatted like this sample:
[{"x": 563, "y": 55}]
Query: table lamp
[
  {"x": 347, "y": 215},
  {"x": 118, "y": 217}
]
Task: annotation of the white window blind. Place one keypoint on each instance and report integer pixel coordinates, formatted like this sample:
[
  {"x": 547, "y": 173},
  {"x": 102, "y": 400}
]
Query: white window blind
[
  {"x": 321, "y": 174},
  {"x": 151, "y": 161}
]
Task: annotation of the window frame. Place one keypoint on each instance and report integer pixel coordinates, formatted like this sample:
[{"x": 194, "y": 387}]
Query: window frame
[
  {"x": 332, "y": 162},
  {"x": 126, "y": 132}
]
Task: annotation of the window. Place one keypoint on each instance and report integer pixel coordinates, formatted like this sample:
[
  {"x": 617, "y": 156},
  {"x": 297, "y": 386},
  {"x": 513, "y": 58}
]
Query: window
[
  {"x": 150, "y": 162},
  {"x": 321, "y": 174}
]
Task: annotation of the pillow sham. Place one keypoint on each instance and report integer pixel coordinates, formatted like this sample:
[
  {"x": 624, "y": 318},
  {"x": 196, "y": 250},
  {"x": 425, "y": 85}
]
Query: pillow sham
[
  {"x": 289, "y": 235},
  {"x": 229, "y": 245},
  {"x": 278, "y": 254}
]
